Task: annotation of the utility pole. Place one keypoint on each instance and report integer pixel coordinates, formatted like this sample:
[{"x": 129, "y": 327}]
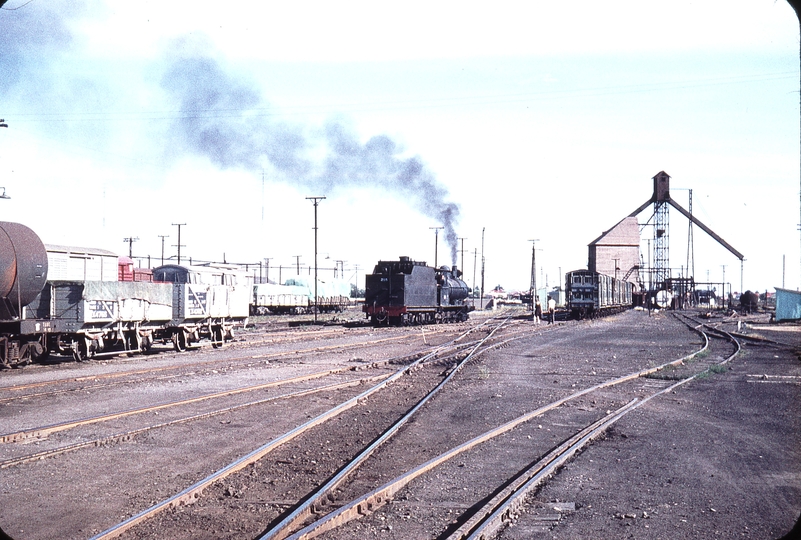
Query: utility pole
[
  {"x": 163, "y": 236},
  {"x": 461, "y": 251},
  {"x": 436, "y": 243},
  {"x": 724, "y": 284},
  {"x": 179, "y": 246},
  {"x": 315, "y": 201},
  {"x": 481, "y": 299},
  {"x": 473, "y": 290},
  {"x": 297, "y": 263},
  {"x": 130, "y": 241},
  {"x": 690, "y": 246},
  {"x": 3, "y": 195},
  {"x": 533, "y": 282},
  {"x": 741, "y": 275},
  {"x": 649, "y": 268}
]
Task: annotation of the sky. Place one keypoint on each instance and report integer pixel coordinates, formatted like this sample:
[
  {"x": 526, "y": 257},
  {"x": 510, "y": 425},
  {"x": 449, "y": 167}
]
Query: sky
[{"x": 501, "y": 123}]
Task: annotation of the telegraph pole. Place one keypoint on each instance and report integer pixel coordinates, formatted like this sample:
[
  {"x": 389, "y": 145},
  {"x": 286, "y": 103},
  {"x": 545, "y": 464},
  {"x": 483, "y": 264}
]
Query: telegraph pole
[
  {"x": 462, "y": 253},
  {"x": 436, "y": 242},
  {"x": 741, "y": 275},
  {"x": 315, "y": 201},
  {"x": 3, "y": 124},
  {"x": 163, "y": 236},
  {"x": 179, "y": 246},
  {"x": 481, "y": 299},
  {"x": 130, "y": 241},
  {"x": 297, "y": 263},
  {"x": 533, "y": 272},
  {"x": 724, "y": 284},
  {"x": 473, "y": 291}
]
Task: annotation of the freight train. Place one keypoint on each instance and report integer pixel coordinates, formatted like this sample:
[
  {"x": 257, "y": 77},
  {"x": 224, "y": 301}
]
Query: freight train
[
  {"x": 590, "y": 294},
  {"x": 298, "y": 295},
  {"x": 90, "y": 303},
  {"x": 409, "y": 292}
]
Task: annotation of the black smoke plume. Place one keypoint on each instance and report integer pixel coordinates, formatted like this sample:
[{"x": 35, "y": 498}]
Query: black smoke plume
[{"x": 226, "y": 120}]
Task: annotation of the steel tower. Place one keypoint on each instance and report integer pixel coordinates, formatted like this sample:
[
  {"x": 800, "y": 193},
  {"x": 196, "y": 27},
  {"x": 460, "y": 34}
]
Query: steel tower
[{"x": 661, "y": 199}]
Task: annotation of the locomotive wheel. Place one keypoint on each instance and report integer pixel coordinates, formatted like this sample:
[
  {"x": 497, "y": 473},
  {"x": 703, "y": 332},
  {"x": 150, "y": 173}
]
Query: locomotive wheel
[{"x": 179, "y": 341}]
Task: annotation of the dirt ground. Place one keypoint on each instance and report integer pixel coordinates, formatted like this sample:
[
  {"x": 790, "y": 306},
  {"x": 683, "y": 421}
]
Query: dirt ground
[{"x": 718, "y": 458}]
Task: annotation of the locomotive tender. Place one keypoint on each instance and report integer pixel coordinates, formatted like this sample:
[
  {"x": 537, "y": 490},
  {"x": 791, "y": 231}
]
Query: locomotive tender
[
  {"x": 90, "y": 303},
  {"x": 590, "y": 294},
  {"x": 409, "y": 292}
]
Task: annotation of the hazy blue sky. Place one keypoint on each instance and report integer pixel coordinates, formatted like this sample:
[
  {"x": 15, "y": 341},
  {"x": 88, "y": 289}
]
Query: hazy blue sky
[{"x": 530, "y": 119}]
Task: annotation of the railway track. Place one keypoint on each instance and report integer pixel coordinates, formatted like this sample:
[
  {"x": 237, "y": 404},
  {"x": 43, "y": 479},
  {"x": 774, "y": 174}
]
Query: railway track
[
  {"x": 94, "y": 382},
  {"x": 483, "y": 521},
  {"x": 390, "y": 458},
  {"x": 128, "y": 434},
  {"x": 320, "y": 497},
  {"x": 378, "y": 370},
  {"x": 188, "y": 495}
]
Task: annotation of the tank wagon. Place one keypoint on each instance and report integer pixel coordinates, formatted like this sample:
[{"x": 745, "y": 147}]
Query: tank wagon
[
  {"x": 23, "y": 273},
  {"x": 590, "y": 294},
  {"x": 410, "y": 292},
  {"x": 90, "y": 303}
]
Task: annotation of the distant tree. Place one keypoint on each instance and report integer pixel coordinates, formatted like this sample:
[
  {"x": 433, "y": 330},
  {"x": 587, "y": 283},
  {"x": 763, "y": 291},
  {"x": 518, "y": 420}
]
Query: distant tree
[{"x": 356, "y": 292}]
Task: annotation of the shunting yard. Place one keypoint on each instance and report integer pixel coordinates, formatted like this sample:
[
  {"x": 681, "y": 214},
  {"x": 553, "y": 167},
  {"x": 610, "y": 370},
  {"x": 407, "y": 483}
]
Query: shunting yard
[{"x": 418, "y": 432}]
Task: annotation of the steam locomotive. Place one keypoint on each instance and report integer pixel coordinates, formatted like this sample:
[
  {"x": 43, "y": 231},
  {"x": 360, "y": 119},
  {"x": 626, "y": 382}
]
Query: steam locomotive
[
  {"x": 409, "y": 292},
  {"x": 89, "y": 302}
]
